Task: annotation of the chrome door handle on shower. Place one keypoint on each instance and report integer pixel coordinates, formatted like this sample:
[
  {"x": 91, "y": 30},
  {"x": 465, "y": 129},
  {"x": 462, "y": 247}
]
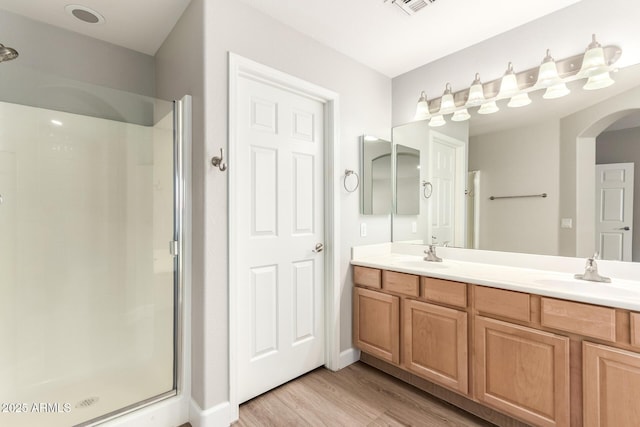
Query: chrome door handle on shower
[{"x": 319, "y": 248}]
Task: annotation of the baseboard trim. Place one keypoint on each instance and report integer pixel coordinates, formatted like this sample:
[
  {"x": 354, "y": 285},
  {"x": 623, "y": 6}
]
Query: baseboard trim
[
  {"x": 348, "y": 357},
  {"x": 167, "y": 413},
  {"x": 216, "y": 416}
]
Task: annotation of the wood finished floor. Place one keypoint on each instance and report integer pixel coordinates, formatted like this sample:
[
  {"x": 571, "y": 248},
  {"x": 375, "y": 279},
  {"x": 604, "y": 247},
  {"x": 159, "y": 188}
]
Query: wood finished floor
[{"x": 358, "y": 395}]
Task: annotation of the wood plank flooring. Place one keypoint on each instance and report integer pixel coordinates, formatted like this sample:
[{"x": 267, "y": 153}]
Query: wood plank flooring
[{"x": 358, "y": 395}]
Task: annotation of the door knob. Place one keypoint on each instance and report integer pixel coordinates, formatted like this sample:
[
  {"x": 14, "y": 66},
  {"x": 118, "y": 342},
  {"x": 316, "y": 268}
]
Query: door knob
[
  {"x": 319, "y": 248},
  {"x": 627, "y": 228}
]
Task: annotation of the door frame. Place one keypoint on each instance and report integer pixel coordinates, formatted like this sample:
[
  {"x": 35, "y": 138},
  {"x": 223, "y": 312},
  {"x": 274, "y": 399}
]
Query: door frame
[
  {"x": 627, "y": 255},
  {"x": 240, "y": 67}
]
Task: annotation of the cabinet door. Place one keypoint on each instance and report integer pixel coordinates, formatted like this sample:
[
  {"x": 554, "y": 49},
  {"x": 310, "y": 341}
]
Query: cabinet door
[
  {"x": 376, "y": 324},
  {"x": 611, "y": 386},
  {"x": 522, "y": 372},
  {"x": 435, "y": 344}
]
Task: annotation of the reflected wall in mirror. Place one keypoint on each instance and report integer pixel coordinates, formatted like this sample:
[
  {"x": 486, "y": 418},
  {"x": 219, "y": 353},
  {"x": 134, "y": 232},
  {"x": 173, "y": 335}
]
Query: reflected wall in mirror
[
  {"x": 407, "y": 183},
  {"x": 551, "y": 146},
  {"x": 376, "y": 187}
]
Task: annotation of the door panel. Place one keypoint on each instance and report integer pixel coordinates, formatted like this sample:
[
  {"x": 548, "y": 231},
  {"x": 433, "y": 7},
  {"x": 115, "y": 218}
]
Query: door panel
[
  {"x": 611, "y": 386},
  {"x": 522, "y": 371},
  {"x": 264, "y": 192},
  {"x": 280, "y": 278},
  {"x": 304, "y": 300},
  {"x": 614, "y": 210},
  {"x": 376, "y": 324},
  {"x": 264, "y": 308},
  {"x": 435, "y": 343}
]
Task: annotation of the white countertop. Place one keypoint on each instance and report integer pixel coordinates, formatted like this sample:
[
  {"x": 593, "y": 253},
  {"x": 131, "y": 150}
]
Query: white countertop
[{"x": 621, "y": 293}]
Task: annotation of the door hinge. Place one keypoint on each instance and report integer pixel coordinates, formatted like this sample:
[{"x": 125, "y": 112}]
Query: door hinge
[{"x": 174, "y": 248}]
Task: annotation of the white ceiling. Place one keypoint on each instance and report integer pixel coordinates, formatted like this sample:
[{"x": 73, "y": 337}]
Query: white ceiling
[
  {"x": 380, "y": 35},
  {"x": 376, "y": 33},
  {"x": 141, "y": 25}
]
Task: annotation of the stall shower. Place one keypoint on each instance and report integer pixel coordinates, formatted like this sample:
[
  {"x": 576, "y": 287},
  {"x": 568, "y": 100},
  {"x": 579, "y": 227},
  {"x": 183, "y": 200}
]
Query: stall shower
[{"x": 88, "y": 285}]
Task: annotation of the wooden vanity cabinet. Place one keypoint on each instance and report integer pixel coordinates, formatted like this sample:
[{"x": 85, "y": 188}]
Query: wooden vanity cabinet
[
  {"x": 540, "y": 360},
  {"x": 423, "y": 336},
  {"x": 522, "y": 371},
  {"x": 435, "y": 343},
  {"x": 376, "y": 324},
  {"x": 611, "y": 386}
]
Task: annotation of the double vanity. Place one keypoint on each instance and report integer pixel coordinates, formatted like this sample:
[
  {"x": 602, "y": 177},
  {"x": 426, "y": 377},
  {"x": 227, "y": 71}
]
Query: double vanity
[{"x": 502, "y": 333}]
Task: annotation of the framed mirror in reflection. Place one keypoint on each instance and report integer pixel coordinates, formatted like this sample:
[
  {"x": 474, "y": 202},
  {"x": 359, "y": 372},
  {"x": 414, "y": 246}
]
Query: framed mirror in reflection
[
  {"x": 376, "y": 188},
  {"x": 407, "y": 180},
  {"x": 555, "y": 147}
]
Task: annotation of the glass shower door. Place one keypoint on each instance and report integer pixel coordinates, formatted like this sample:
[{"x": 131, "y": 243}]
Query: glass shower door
[{"x": 88, "y": 283}]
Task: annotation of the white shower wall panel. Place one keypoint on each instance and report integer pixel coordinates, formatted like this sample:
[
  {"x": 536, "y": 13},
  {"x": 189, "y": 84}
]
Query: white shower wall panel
[{"x": 83, "y": 201}]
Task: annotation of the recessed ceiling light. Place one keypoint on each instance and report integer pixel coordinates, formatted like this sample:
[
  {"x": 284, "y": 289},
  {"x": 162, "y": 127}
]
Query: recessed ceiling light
[{"x": 84, "y": 14}]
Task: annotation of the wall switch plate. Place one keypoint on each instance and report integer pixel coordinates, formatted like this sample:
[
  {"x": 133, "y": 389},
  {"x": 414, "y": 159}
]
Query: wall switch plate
[
  {"x": 566, "y": 223},
  {"x": 363, "y": 229}
]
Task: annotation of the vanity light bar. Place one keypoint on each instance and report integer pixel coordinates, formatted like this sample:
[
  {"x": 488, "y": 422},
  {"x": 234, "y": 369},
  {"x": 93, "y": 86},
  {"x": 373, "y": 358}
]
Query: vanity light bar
[{"x": 568, "y": 71}]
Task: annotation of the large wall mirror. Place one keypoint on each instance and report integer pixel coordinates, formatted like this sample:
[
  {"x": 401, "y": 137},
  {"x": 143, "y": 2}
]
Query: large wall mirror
[{"x": 489, "y": 175}]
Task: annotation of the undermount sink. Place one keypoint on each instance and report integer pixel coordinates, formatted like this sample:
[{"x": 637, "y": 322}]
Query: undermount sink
[{"x": 420, "y": 264}]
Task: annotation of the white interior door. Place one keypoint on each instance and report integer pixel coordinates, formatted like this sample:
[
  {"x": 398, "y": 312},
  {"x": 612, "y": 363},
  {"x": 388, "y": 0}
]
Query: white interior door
[
  {"x": 448, "y": 177},
  {"x": 614, "y": 210},
  {"x": 280, "y": 263}
]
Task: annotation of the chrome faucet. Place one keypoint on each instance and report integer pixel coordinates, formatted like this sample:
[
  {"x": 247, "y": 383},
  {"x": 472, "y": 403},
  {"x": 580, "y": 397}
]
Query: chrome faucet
[
  {"x": 431, "y": 254},
  {"x": 591, "y": 271}
]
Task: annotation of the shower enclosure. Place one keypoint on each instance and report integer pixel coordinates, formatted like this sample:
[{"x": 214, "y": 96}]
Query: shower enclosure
[{"x": 90, "y": 260}]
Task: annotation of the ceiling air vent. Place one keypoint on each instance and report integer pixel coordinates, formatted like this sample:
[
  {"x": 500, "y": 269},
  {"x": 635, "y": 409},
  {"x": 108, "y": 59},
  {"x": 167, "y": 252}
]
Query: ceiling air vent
[{"x": 412, "y": 6}]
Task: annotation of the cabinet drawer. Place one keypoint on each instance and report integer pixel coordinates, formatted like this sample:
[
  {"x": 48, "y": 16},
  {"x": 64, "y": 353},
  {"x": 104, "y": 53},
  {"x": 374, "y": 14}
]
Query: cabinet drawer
[
  {"x": 514, "y": 305},
  {"x": 400, "y": 283},
  {"x": 635, "y": 329},
  {"x": 584, "y": 319},
  {"x": 365, "y": 276},
  {"x": 444, "y": 291}
]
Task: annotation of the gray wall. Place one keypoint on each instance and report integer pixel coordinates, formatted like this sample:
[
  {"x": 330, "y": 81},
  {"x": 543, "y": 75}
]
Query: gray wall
[
  {"x": 179, "y": 72},
  {"x": 66, "y": 71},
  {"x": 623, "y": 146},
  {"x": 74, "y": 56},
  {"x": 517, "y": 162}
]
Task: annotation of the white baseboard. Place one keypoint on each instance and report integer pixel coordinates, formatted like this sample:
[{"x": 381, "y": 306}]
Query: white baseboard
[
  {"x": 167, "y": 413},
  {"x": 216, "y": 416},
  {"x": 348, "y": 357}
]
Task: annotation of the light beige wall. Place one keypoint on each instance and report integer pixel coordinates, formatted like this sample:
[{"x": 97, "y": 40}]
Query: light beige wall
[{"x": 518, "y": 162}]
